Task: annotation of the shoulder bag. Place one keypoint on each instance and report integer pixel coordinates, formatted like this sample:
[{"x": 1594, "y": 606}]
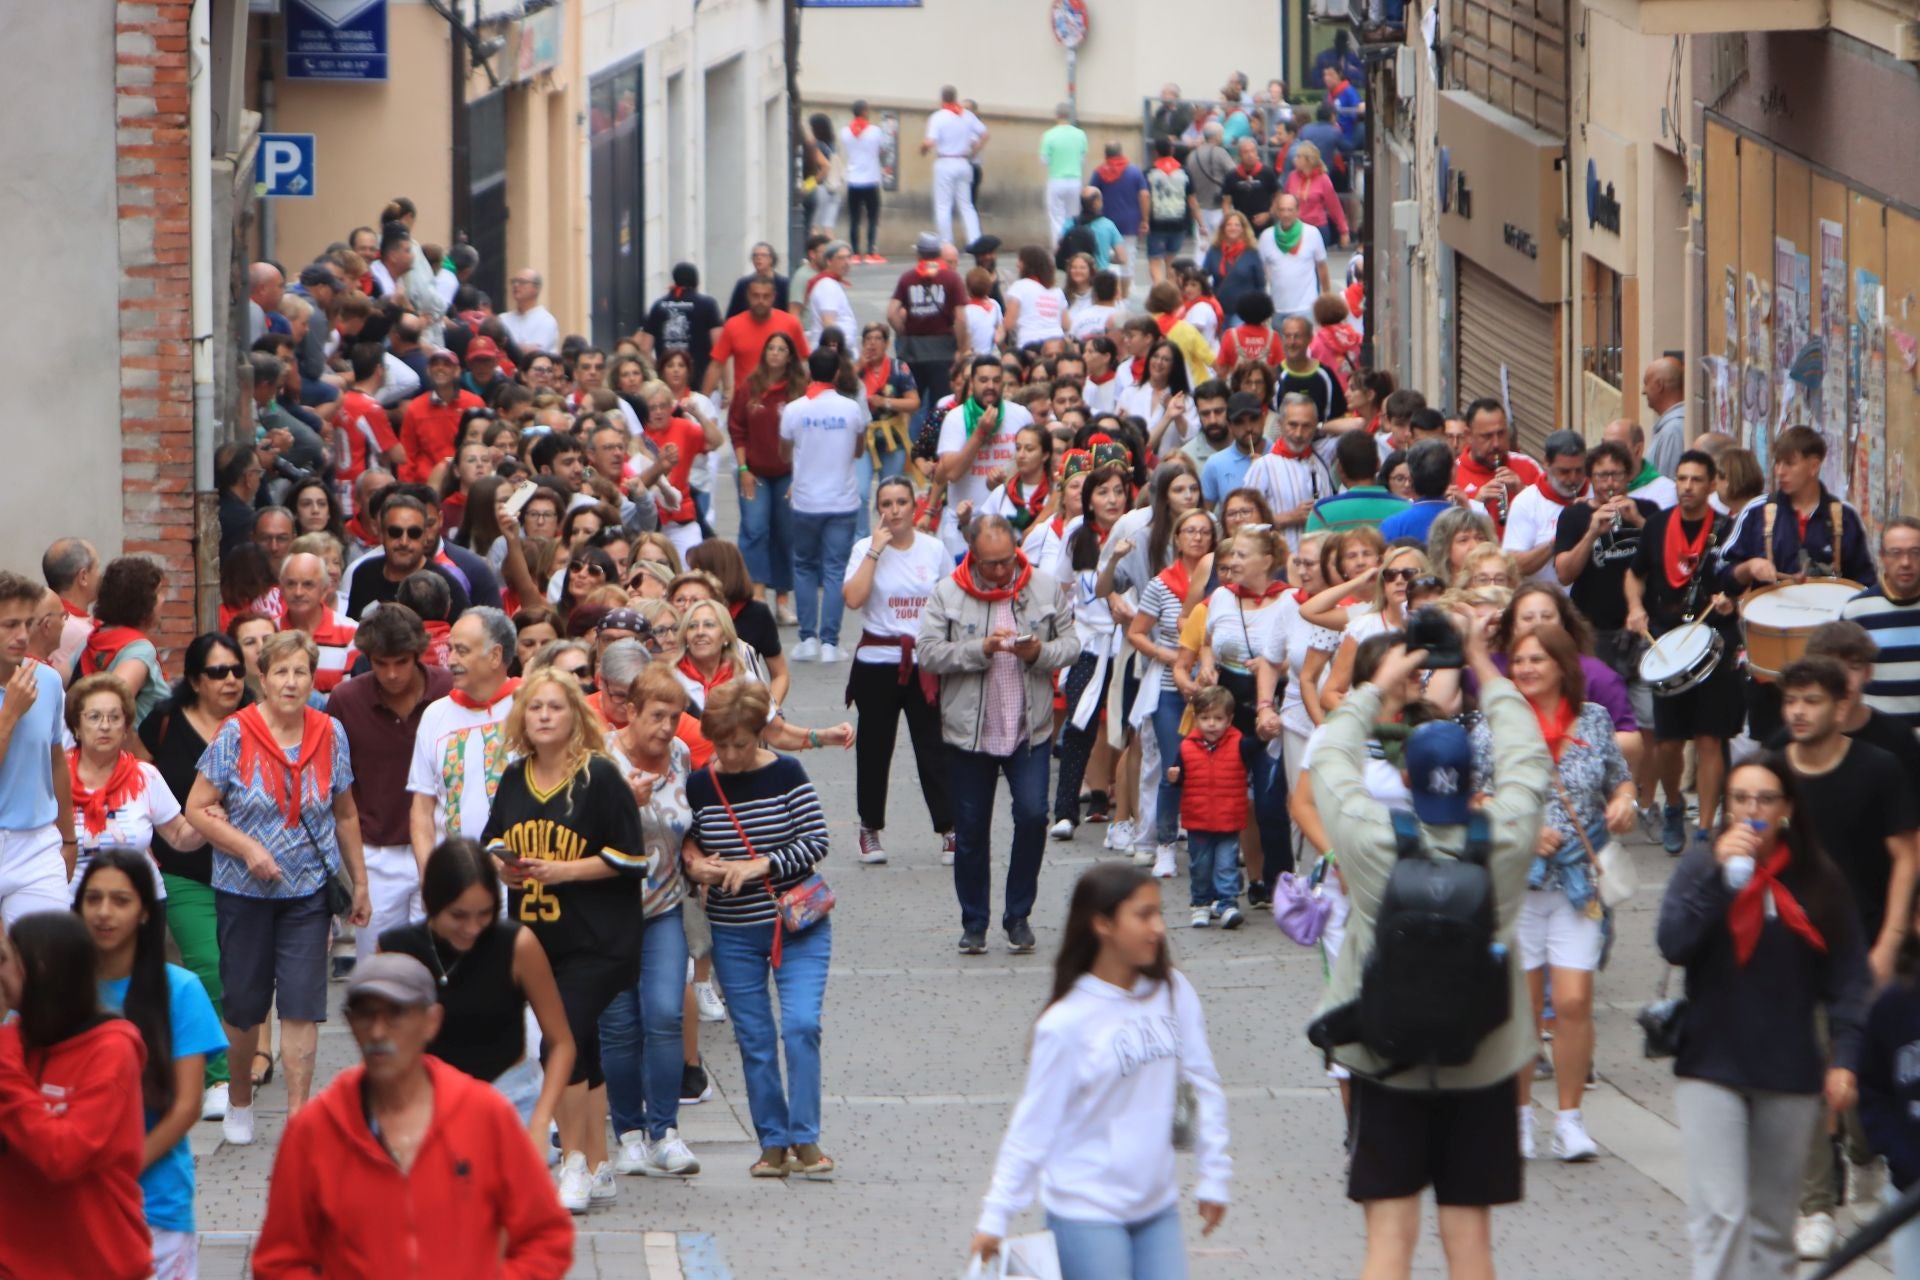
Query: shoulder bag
[
  {"x": 799, "y": 908},
  {"x": 1184, "y": 1105},
  {"x": 1613, "y": 873}
]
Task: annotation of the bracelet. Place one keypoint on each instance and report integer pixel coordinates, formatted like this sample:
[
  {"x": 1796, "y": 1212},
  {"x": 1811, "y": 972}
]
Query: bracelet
[
  {"x": 813, "y": 739},
  {"x": 742, "y": 468},
  {"x": 1265, "y": 704},
  {"x": 877, "y": 552}
]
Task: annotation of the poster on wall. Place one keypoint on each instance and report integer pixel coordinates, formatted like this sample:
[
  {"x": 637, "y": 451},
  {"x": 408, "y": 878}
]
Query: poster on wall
[
  {"x": 1792, "y": 323},
  {"x": 1756, "y": 395},
  {"x": 1869, "y": 356},
  {"x": 1730, "y": 306},
  {"x": 1833, "y": 333},
  {"x": 1721, "y": 415}
]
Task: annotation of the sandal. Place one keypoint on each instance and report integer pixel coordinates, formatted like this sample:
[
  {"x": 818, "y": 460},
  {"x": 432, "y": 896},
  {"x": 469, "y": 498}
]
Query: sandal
[
  {"x": 810, "y": 1162},
  {"x": 262, "y": 1077},
  {"x": 774, "y": 1162}
]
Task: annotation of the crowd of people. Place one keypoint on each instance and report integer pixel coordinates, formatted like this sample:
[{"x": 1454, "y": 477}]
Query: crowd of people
[{"x": 490, "y": 691}]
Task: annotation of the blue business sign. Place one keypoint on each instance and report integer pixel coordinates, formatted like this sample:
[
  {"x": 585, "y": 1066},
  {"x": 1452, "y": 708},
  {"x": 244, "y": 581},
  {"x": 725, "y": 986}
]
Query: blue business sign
[
  {"x": 860, "y": 4},
  {"x": 336, "y": 39},
  {"x": 283, "y": 166}
]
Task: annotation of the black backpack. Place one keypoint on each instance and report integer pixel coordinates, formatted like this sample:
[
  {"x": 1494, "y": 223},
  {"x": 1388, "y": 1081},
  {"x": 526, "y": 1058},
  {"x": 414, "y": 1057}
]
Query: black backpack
[
  {"x": 1436, "y": 983},
  {"x": 1076, "y": 239}
]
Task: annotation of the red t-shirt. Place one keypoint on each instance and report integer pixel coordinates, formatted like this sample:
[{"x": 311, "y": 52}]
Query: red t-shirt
[
  {"x": 693, "y": 442},
  {"x": 1471, "y": 476},
  {"x": 362, "y": 435},
  {"x": 1254, "y": 343},
  {"x": 742, "y": 339},
  {"x": 428, "y": 430}
]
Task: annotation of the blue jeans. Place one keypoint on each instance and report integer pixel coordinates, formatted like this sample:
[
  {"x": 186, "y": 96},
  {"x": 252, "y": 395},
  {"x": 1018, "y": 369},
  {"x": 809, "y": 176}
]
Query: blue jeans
[
  {"x": 1268, "y": 779},
  {"x": 1166, "y": 730},
  {"x": 974, "y": 778},
  {"x": 1212, "y": 877},
  {"x": 766, "y": 533},
  {"x": 1147, "y": 1250},
  {"x": 821, "y": 545},
  {"x": 742, "y": 960},
  {"x": 640, "y": 1049}
]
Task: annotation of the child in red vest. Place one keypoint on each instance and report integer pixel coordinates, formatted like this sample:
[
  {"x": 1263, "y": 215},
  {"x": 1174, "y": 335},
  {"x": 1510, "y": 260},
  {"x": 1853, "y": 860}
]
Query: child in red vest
[{"x": 1213, "y": 808}]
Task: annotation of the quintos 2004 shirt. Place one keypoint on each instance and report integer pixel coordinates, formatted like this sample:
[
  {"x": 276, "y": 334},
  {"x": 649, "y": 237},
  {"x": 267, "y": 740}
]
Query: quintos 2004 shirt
[
  {"x": 459, "y": 755},
  {"x": 590, "y": 814}
]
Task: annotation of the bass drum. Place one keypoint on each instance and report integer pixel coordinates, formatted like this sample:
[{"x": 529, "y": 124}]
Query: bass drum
[
  {"x": 1681, "y": 659},
  {"x": 1779, "y": 620}
]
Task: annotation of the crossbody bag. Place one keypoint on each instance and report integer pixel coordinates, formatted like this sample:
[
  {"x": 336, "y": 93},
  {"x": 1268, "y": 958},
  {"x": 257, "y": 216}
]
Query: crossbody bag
[{"x": 799, "y": 908}]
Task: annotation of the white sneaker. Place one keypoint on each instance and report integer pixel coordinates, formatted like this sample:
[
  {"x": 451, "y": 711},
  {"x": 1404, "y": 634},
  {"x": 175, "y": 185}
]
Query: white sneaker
[
  {"x": 1866, "y": 1182},
  {"x": 1202, "y": 917},
  {"x": 1062, "y": 830},
  {"x": 831, "y": 653},
  {"x": 1119, "y": 836},
  {"x": 1163, "y": 867},
  {"x": 807, "y": 650},
  {"x": 632, "y": 1156},
  {"x": 237, "y": 1126},
  {"x": 670, "y": 1158},
  {"x": 1571, "y": 1138},
  {"x": 576, "y": 1185},
  {"x": 603, "y": 1189},
  {"x": 213, "y": 1104},
  {"x": 946, "y": 849},
  {"x": 1231, "y": 918},
  {"x": 1528, "y": 1148},
  {"x": 706, "y": 997},
  {"x": 1814, "y": 1237}
]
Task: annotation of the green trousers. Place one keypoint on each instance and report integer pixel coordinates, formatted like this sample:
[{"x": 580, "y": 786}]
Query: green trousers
[{"x": 190, "y": 920}]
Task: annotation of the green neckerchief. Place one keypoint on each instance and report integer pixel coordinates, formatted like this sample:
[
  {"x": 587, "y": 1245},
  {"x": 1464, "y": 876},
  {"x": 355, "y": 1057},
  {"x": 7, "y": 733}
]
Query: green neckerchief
[
  {"x": 1289, "y": 242},
  {"x": 1392, "y": 737},
  {"x": 970, "y": 413},
  {"x": 1648, "y": 474}
]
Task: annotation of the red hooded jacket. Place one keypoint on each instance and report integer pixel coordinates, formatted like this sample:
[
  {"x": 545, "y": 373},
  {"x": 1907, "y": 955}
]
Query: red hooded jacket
[
  {"x": 339, "y": 1207},
  {"x": 1213, "y": 783},
  {"x": 71, "y": 1136}
]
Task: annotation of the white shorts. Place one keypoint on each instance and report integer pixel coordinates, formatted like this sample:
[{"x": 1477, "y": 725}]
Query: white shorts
[
  {"x": 393, "y": 886},
  {"x": 684, "y": 537},
  {"x": 1553, "y": 933},
  {"x": 33, "y": 875},
  {"x": 176, "y": 1255}
]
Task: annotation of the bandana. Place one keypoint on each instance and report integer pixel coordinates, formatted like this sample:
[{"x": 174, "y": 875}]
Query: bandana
[
  {"x": 815, "y": 282},
  {"x": 953, "y": 107},
  {"x": 993, "y": 595},
  {"x": 971, "y": 412},
  {"x": 1111, "y": 168},
  {"x": 876, "y": 377},
  {"x": 721, "y": 674},
  {"x": 928, "y": 268},
  {"x": 1648, "y": 474},
  {"x": 1283, "y": 450},
  {"x": 103, "y": 646},
  {"x": 818, "y": 389},
  {"x": 1259, "y": 597},
  {"x": 857, "y": 126},
  {"x": 123, "y": 784},
  {"x": 1137, "y": 369},
  {"x": 1545, "y": 485},
  {"x": 1288, "y": 240},
  {"x": 1747, "y": 912},
  {"x": 73, "y": 610},
  {"x": 1177, "y": 579},
  {"x": 262, "y": 755},
  {"x": 507, "y": 689},
  {"x": 1229, "y": 253},
  {"x": 1245, "y": 172},
  {"x": 1167, "y": 164},
  {"x": 1027, "y": 509},
  {"x": 1678, "y": 554},
  {"x": 1102, "y": 379},
  {"x": 1166, "y": 321},
  {"x": 1557, "y": 730}
]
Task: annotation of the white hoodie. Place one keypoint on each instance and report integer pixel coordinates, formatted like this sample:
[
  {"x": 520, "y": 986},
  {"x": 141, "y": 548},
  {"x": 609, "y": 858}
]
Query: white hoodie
[{"x": 1095, "y": 1123}]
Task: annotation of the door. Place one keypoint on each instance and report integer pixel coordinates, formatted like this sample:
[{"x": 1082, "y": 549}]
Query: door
[
  {"x": 486, "y": 230},
  {"x": 616, "y": 147}
]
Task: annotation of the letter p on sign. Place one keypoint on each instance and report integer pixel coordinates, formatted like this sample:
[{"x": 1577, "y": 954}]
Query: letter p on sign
[{"x": 283, "y": 166}]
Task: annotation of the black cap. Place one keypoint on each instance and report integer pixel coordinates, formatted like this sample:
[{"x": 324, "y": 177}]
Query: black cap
[
  {"x": 985, "y": 244},
  {"x": 1244, "y": 404}
]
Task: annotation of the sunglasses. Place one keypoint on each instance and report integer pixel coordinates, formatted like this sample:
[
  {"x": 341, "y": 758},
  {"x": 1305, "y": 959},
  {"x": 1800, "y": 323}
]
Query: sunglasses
[
  {"x": 224, "y": 671},
  {"x": 1398, "y": 575},
  {"x": 412, "y": 533},
  {"x": 1429, "y": 582}
]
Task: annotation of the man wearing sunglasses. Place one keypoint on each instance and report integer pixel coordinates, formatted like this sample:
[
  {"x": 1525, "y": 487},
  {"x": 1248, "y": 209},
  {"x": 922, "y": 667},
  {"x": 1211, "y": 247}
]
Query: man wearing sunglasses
[{"x": 405, "y": 542}]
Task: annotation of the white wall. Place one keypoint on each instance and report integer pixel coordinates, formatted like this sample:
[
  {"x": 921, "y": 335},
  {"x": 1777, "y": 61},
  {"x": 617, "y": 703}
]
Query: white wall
[
  {"x": 61, "y": 440},
  {"x": 681, "y": 38}
]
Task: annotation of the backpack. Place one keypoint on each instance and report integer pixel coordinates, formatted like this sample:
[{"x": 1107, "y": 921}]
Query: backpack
[
  {"x": 1436, "y": 983},
  {"x": 1076, "y": 239}
]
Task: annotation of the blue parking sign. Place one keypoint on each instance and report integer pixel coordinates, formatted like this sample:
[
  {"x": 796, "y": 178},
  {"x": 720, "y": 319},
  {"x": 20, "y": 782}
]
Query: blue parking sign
[{"x": 284, "y": 165}]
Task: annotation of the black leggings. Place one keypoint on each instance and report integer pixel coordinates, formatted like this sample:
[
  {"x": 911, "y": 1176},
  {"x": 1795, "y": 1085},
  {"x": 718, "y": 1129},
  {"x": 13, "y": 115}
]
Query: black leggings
[
  {"x": 858, "y": 199},
  {"x": 1076, "y": 745},
  {"x": 876, "y": 690}
]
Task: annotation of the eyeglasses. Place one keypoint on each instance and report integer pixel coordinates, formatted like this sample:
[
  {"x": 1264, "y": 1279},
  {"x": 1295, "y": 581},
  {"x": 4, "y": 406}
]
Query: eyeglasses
[
  {"x": 1487, "y": 580},
  {"x": 1004, "y": 563},
  {"x": 1749, "y": 799},
  {"x": 1900, "y": 553},
  {"x": 224, "y": 671},
  {"x": 101, "y": 719},
  {"x": 1398, "y": 575},
  {"x": 412, "y": 533}
]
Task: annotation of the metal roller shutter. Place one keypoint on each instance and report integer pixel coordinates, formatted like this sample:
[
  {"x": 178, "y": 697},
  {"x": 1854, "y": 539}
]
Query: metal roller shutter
[{"x": 1501, "y": 328}]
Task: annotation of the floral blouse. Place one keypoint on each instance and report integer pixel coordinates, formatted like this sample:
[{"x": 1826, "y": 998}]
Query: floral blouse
[
  {"x": 663, "y": 825},
  {"x": 1591, "y": 770}
]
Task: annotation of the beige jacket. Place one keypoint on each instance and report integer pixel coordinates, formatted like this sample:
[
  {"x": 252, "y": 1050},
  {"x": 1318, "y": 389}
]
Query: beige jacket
[{"x": 952, "y": 626}]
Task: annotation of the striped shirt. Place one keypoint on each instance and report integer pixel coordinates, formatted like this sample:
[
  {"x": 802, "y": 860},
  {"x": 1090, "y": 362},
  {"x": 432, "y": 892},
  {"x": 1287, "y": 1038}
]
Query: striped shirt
[
  {"x": 780, "y": 813},
  {"x": 1286, "y": 483},
  {"x": 1158, "y": 602},
  {"x": 1895, "y": 686},
  {"x": 1363, "y": 504}
]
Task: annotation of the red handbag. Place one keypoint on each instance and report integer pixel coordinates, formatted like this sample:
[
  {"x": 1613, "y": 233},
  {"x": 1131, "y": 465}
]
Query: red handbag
[{"x": 799, "y": 908}]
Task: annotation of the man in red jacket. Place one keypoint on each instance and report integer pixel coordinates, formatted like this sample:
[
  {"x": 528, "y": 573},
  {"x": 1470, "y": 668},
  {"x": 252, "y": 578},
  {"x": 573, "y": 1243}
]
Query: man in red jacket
[
  {"x": 432, "y": 420},
  {"x": 405, "y": 1167}
]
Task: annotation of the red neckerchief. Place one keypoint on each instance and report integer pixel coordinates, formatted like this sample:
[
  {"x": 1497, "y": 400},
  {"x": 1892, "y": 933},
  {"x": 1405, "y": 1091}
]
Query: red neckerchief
[
  {"x": 734, "y": 610},
  {"x": 507, "y": 689},
  {"x": 1099, "y": 533},
  {"x": 928, "y": 268},
  {"x": 1060, "y": 525},
  {"x": 1557, "y": 731},
  {"x": 1245, "y": 172},
  {"x": 721, "y": 674},
  {"x": 1338, "y": 89},
  {"x": 1229, "y": 253},
  {"x": 953, "y": 107},
  {"x": 103, "y": 645},
  {"x": 1545, "y": 485},
  {"x": 1802, "y": 520},
  {"x": 1138, "y": 368},
  {"x": 1679, "y": 555},
  {"x": 815, "y": 282},
  {"x": 857, "y": 126},
  {"x": 360, "y": 532},
  {"x": 1219, "y": 315},
  {"x": 985, "y": 304},
  {"x": 1034, "y": 501},
  {"x": 123, "y": 784},
  {"x": 1111, "y": 168},
  {"x": 1282, "y": 450},
  {"x": 1747, "y": 912},
  {"x": 818, "y": 389},
  {"x": 993, "y": 595},
  {"x": 1300, "y": 595},
  {"x": 1167, "y": 164},
  {"x": 1166, "y": 321},
  {"x": 73, "y": 610},
  {"x": 1102, "y": 379},
  {"x": 1178, "y": 579},
  {"x": 262, "y": 756},
  {"x": 877, "y": 377},
  {"x": 1258, "y": 597}
]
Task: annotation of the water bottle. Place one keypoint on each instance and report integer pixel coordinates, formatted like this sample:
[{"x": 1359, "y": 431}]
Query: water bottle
[{"x": 1739, "y": 868}]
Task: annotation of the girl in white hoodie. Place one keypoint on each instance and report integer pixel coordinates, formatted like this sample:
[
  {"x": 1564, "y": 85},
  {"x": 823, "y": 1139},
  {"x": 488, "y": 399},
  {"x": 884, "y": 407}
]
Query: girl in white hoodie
[{"x": 1095, "y": 1123}]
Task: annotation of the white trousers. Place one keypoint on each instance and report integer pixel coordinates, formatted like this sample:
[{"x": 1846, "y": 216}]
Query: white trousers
[
  {"x": 684, "y": 537},
  {"x": 393, "y": 884},
  {"x": 1063, "y": 204},
  {"x": 953, "y": 188},
  {"x": 33, "y": 876}
]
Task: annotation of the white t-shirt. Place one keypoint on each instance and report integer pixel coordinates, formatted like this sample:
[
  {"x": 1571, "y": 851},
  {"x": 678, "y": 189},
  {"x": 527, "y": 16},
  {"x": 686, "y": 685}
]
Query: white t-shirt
[
  {"x": 1207, "y": 321},
  {"x": 1293, "y": 640},
  {"x": 1661, "y": 492},
  {"x": 828, "y": 304},
  {"x": 1384, "y": 782},
  {"x": 1531, "y": 523},
  {"x": 1293, "y": 278},
  {"x": 1102, "y": 397},
  {"x": 700, "y": 475},
  {"x": 1041, "y": 311},
  {"x": 863, "y": 151},
  {"x": 1238, "y": 637},
  {"x": 1141, "y": 401},
  {"x": 1092, "y": 618},
  {"x": 983, "y": 325},
  {"x": 532, "y": 330},
  {"x": 953, "y": 134},
  {"x": 129, "y": 827},
  {"x": 902, "y": 581},
  {"x": 1042, "y": 547},
  {"x": 827, "y": 431},
  {"x": 1092, "y": 320},
  {"x": 995, "y": 455},
  {"x": 459, "y": 754}
]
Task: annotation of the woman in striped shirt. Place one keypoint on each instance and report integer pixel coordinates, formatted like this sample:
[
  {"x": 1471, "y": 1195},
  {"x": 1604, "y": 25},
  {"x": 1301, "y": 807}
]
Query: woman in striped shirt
[{"x": 757, "y": 831}]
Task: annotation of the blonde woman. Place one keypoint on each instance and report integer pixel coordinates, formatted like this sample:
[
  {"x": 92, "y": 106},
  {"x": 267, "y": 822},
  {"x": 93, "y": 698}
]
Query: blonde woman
[
  {"x": 1310, "y": 185},
  {"x": 1398, "y": 569},
  {"x": 1488, "y": 566},
  {"x": 566, "y": 833},
  {"x": 659, "y": 548},
  {"x": 712, "y": 656},
  {"x": 1232, "y": 265}
]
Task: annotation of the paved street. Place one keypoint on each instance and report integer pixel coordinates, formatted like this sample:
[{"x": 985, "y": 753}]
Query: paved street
[{"x": 925, "y": 1055}]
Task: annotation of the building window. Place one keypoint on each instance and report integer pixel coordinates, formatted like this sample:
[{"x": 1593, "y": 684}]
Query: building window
[
  {"x": 1512, "y": 54},
  {"x": 1601, "y": 323}
]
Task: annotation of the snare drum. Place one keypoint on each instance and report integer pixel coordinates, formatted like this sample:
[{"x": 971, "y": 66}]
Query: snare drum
[
  {"x": 1778, "y": 620},
  {"x": 1681, "y": 659}
]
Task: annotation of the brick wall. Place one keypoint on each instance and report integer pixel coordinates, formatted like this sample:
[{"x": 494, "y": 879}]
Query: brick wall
[{"x": 156, "y": 357}]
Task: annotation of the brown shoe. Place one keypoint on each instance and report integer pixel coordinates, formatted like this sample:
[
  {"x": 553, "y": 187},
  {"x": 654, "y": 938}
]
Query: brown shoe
[
  {"x": 774, "y": 1162},
  {"x": 810, "y": 1162}
]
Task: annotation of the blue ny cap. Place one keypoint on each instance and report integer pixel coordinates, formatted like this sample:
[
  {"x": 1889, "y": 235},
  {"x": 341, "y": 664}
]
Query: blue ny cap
[{"x": 1439, "y": 764}]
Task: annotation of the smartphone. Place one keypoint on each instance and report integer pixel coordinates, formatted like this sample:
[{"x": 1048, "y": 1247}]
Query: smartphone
[
  {"x": 518, "y": 499},
  {"x": 1026, "y": 639}
]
